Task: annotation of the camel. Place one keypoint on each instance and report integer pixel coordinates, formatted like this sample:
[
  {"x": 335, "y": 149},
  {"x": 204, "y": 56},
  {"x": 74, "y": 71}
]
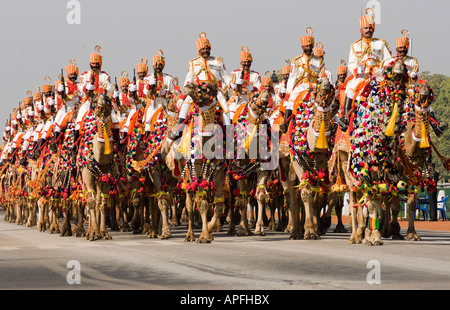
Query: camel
[
  {"x": 247, "y": 169},
  {"x": 161, "y": 167},
  {"x": 310, "y": 162},
  {"x": 373, "y": 156},
  {"x": 203, "y": 166},
  {"x": 97, "y": 171},
  {"x": 415, "y": 157}
]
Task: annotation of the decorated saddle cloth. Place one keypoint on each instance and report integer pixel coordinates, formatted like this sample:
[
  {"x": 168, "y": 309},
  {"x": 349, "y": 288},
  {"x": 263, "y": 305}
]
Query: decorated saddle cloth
[
  {"x": 147, "y": 152},
  {"x": 246, "y": 132},
  {"x": 378, "y": 122},
  {"x": 303, "y": 114},
  {"x": 202, "y": 125}
]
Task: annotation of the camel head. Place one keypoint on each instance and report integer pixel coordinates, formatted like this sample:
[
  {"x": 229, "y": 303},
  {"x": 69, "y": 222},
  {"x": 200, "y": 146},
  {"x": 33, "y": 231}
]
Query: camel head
[
  {"x": 398, "y": 71},
  {"x": 103, "y": 106},
  {"x": 172, "y": 102},
  {"x": 259, "y": 102},
  {"x": 324, "y": 93},
  {"x": 206, "y": 93},
  {"x": 424, "y": 95}
]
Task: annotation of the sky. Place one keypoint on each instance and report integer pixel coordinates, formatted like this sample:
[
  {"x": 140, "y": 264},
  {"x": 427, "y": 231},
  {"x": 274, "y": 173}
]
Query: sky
[{"x": 38, "y": 40}]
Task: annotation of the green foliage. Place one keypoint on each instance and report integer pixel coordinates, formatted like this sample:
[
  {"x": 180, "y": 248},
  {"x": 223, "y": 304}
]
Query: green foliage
[{"x": 441, "y": 88}]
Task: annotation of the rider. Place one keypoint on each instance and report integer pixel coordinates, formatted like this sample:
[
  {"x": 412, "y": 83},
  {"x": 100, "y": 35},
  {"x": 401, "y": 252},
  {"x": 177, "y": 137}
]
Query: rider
[
  {"x": 243, "y": 81},
  {"x": 93, "y": 82},
  {"x": 138, "y": 100},
  {"x": 160, "y": 87},
  {"x": 412, "y": 66},
  {"x": 305, "y": 72},
  {"x": 280, "y": 88},
  {"x": 367, "y": 58},
  {"x": 68, "y": 99},
  {"x": 203, "y": 69},
  {"x": 319, "y": 52}
]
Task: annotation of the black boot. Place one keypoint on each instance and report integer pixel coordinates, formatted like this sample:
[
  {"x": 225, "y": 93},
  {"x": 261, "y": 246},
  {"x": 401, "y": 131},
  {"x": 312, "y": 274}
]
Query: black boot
[
  {"x": 177, "y": 130},
  {"x": 344, "y": 121},
  {"x": 54, "y": 144},
  {"x": 37, "y": 152},
  {"x": 76, "y": 135},
  {"x": 284, "y": 126},
  {"x": 438, "y": 127}
]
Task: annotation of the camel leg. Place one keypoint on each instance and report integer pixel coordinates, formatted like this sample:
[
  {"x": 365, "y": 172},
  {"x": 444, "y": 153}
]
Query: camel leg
[
  {"x": 373, "y": 235},
  {"x": 411, "y": 234},
  {"x": 137, "y": 220},
  {"x": 79, "y": 230},
  {"x": 41, "y": 210},
  {"x": 92, "y": 232},
  {"x": 190, "y": 215},
  {"x": 163, "y": 205},
  {"x": 214, "y": 224},
  {"x": 66, "y": 229},
  {"x": 149, "y": 217},
  {"x": 261, "y": 199},
  {"x": 205, "y": 236},
  {"x": 54, "y": 222},
  {"x": 325, "y": 221},
  {"x": 308, "y": 201},
  {"x": 340, "y": 228},
  {"x": 104, "y": 204},
  {"x": 243, "y": 227},
  {"x": 18, "y": 210},
  {"x": 394, "y": 225},
  {"x": 357, "y": 220},
  {"x": 32, "y": 214}
]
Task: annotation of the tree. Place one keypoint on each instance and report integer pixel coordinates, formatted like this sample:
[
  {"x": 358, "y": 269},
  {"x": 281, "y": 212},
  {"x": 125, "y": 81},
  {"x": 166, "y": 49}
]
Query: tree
[{"x": 441, "y": 88}]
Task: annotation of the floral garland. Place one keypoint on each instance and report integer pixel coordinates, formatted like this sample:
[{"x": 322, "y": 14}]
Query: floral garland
[
  {"x": 374, "y": 155},
  {"x": 212, "y": 166},
  {"x": 299, "y": 143},
  {"x": 155, "y": 138},
  {"x": 85, "y": 152},
  {"x": 66, "y": 147},
  {"x": 133, "y": 142}
]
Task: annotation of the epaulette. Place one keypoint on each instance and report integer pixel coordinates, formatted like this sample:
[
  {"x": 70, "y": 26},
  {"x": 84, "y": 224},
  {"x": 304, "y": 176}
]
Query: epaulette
[
  {"x": 357, "y": 41},
  {"x": 296, "y": 58},
  {"x": 85, "y": 72},
  {"x": 194, "y": 59}
]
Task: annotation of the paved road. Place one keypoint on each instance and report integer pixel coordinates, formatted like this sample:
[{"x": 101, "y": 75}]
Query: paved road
[{"x": 33, "y": 260}]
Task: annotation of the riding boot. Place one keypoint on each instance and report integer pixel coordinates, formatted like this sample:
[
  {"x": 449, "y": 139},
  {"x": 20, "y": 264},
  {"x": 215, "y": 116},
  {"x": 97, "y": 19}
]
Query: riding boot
[
  {"x": 23, "y": 162},
  {"x": 122, "y": 140},
  {"x": 284, "y": 126},
  {"x": 12, "y": 156},
  {"x": 177, "y": 130},
  {"x": 37, "y": 152},
  {"x": 344, "y": 121},
  {"x": 30, "y": 155},
  {"x": 116, "y": 134},
  {"x": 438, "y": 127},
  {"x": 54, "y": 144},
  {"x": 76, "y": 135}
]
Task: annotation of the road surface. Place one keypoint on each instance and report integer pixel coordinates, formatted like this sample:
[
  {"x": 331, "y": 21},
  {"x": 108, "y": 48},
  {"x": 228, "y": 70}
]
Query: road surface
[{"x": 33, "y": 260}]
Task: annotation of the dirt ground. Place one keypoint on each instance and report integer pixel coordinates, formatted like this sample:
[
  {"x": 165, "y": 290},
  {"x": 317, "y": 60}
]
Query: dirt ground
[{"x": 419, "y": 224}]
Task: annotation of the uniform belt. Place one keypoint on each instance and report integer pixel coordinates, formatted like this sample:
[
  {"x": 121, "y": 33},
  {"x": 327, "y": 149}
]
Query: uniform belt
[{"x": 309, "y": 80}]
